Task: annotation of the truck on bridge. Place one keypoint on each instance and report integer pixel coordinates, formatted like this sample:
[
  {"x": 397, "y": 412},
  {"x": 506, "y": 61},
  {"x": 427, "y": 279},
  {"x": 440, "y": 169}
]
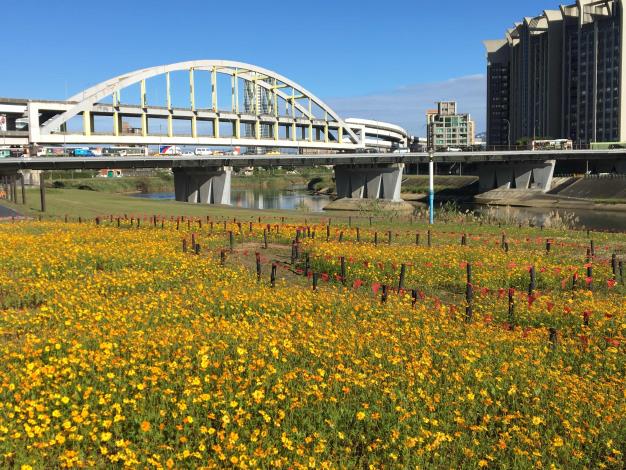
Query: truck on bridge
[{"x": 170, "y": 150}]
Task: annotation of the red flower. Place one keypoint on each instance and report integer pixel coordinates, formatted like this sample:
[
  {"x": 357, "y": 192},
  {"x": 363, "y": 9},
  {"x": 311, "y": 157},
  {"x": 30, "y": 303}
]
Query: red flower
[
  {"x": 356, "y": 284},
  {"x": 611, "y": 283},
  {"x": 376, "y": 287}
]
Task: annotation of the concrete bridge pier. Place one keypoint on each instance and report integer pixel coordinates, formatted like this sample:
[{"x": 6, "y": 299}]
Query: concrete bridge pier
[
  {"x": 523, "y": 175},
  {"x": 203, "y": 185},
  {"x": 369, "y": 181}
]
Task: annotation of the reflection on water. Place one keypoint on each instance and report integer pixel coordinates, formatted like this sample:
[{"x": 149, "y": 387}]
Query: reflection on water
[
  {"x": 277, "y": 199},
  {"x": 265, "y": 199},
  {"x": 576, "y": 218}
]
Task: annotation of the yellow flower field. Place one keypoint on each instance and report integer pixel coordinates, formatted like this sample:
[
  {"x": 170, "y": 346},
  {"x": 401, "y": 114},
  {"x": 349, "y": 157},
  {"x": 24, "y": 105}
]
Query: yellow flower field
[{"x": 119, "y": 349}]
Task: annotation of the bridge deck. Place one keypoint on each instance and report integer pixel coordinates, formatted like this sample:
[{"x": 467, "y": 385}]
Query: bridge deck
[{"x": 66, "y": 163}]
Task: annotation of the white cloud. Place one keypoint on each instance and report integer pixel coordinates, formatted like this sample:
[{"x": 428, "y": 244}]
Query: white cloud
[{"x": 406, "y": 106}]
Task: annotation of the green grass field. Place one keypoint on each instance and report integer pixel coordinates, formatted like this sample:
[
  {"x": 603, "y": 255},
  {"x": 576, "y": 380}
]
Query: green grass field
[{"x": 89, "y": 204}]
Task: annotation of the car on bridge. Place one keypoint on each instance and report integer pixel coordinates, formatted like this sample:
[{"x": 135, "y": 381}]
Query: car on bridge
[{"x": 82, "y": 153}]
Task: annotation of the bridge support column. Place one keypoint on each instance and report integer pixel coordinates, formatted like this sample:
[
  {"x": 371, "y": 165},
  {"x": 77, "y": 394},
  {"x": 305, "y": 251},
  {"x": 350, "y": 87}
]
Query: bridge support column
[
  {"x": 524, "y": 175},
  {"x": 203, "y": 185},
  {"x": 369, "y": 181}
]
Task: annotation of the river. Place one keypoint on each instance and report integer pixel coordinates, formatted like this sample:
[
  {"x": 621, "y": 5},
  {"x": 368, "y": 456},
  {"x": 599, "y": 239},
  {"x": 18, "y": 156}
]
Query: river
[
  {"x": 300, "y": 199},
  {"x": 266, "y": 199}
]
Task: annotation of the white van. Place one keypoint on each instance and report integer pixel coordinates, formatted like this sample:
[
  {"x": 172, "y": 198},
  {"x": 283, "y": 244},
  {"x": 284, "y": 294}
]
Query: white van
[{"x": 203, "y": 152}]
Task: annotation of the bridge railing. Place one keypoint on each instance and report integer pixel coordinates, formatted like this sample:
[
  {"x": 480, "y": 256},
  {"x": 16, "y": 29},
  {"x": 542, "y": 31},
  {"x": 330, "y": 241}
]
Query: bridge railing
[{"x": 509, "y": 148}]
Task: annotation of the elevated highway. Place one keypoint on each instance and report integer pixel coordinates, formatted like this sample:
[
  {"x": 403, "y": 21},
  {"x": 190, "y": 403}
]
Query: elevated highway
[
  {"x": 165, "y": 161},
  {"x": 372, "y": 176}
]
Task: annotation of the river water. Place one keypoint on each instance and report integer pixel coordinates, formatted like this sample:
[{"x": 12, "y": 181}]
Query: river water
[{"x": 259, "y": 198}]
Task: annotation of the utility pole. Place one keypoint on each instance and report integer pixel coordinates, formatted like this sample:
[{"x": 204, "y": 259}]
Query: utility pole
[
  {"x": 23, "y": 189},
  {"x": 42, "y": 191},
  {"x": 431, "y": 184}
]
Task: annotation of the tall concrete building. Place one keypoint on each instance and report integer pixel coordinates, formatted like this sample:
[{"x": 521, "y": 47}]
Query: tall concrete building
[
  {"x": 559, "y": 75},
  {"x": 447, "y": 128}
]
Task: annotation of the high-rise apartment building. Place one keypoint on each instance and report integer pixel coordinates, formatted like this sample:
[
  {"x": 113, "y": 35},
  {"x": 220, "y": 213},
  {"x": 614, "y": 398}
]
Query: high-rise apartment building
[
  {"x": 447, "y": 128},
  {"x": 559, "y": 75}
]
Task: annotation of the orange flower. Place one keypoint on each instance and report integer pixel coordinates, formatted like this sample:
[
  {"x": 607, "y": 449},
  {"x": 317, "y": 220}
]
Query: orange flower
[{"x": 145, "y": 426}]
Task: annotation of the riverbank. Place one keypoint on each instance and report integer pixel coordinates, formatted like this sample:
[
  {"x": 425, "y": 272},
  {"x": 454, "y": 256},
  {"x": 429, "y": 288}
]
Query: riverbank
[{"x": 537, "y": 199}]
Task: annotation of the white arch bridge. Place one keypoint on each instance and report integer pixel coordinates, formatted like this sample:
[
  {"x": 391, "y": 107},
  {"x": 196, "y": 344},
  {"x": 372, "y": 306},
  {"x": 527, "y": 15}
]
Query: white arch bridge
[{"x": 245, "y": 105}]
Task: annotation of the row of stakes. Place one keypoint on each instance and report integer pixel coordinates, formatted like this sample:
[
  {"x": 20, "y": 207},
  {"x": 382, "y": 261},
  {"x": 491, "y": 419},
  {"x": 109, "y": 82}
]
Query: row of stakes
[
  {"x": 311, "y": 234},
  {"x": 469, "y": 292},
  {"x": 617, "y": 266}
]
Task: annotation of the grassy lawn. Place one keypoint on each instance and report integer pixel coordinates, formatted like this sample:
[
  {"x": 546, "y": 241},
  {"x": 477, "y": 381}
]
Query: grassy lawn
[{"x": 89, "y": 204}]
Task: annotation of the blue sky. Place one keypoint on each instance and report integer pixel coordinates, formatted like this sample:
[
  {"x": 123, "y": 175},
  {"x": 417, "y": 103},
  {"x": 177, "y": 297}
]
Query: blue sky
[{"x": 384, "y": 60}]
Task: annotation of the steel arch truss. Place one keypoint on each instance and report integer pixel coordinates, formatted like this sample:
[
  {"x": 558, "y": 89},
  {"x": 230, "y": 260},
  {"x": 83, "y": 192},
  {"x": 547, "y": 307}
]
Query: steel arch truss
[{"x": 303, "y": 108}]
